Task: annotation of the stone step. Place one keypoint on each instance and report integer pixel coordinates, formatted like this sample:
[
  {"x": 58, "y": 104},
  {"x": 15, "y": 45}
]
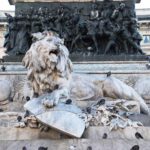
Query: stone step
[
  {"x": 92, "y": 67},
  {"x": 93, "y": 133},
  {"x": 130, "y": 133},
  {"x": 75, "y": 144},
  {"x": 13, "y": 133}
]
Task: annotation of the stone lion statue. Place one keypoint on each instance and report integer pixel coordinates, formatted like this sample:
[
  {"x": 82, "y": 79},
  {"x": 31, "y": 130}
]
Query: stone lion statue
[{"x": 50, "y": 73}]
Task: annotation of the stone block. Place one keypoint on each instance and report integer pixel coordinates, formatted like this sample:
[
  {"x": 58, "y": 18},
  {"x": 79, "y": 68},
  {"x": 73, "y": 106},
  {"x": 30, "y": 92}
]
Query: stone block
[
  {"x": 65, "y": 122},
  {"x": 76, "y": 144},
  {"x": 12, "y": 133},
  {"x": 63, "y": 117},
  {"x": 5, "y": 90},
  {"x": 97, "y": 133}
]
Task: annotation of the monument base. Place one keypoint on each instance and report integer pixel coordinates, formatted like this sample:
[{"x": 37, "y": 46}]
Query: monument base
[
  {"x": 94, "y": 139},
  {"x": 122, "y": 57},
  {"x": 86, "y": 57}
]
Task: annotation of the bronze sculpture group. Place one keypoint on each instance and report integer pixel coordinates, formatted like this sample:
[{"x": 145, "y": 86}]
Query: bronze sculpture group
[{"x": 105, "y": 28}]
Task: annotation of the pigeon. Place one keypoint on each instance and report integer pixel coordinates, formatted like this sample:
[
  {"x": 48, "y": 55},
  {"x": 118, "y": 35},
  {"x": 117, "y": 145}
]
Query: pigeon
[
  {"x": 3, "y": 68},
  {"x": 135, "y": 147},
  {"x": 27, "y": 98},
  {"x": 138, "y": 135},
  {"x": 101, "y": 102},
  {"x": 88, "y": 110},
  {"x": 19, "y": 118},
  {"x": 109, "y": 74},
  {"x": 68, "y": 101},
  {"x": 42, "y": 148},
  {"x": 104, "y": 136},
  {"x": 24, "y": 148}
]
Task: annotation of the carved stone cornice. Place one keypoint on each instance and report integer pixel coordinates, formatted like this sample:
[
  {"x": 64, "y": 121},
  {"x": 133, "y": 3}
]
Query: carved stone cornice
[{"x": 12, "y": 2}]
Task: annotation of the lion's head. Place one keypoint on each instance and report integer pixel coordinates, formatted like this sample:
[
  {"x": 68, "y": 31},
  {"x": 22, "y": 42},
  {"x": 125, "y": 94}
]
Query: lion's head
[{"x": 47, "y": 60}]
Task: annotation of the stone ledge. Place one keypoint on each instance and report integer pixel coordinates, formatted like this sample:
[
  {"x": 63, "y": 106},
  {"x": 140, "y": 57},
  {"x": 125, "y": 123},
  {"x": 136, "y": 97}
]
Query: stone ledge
[
  {"x": 75, "y": 144},
  {"x": 12, "y": 2},
  {"x": 96, "y": 133},
  {"x": 92, "y": 133},
  {"x": 87, "y": 62},
  {"x": 93, "y": 58},
  {"x": 96, "y": 67},
  {"x": 118, "y": 73},
  {"x": 12, "y": 133}
]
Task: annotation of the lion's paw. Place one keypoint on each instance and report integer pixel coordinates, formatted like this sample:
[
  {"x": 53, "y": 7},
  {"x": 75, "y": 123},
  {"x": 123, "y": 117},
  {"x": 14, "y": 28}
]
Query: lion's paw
[{"x": 50, "y": 101}]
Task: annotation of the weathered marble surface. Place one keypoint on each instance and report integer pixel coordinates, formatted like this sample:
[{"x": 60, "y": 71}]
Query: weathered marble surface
[
  {"x": 22, "y": 89},
  {"x": 128, "y": 72},
  {"x": 63, "y": 117},
  {"x": 5, "y": 90},
  {"x": 76, "y": 144},
  {"x": 12, "y": 133},
  {"x": 63, "y": 121},
  {"x": 142, "y": 86},
  {"x": 52, "y": 71},
  {"x": 36, "y": 107},
  {"x": 96, "y": 133},
  {"x": 145, "y": 120}
]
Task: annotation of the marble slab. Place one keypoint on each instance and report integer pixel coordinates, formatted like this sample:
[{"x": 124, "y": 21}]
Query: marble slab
[{"x": 63, "y": 117}]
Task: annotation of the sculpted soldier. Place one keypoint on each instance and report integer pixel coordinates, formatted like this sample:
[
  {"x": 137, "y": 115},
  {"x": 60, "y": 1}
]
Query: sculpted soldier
[
  {"x": 36, "y": 25},
  {"x": 10, "y": 38},
  {"x": 127, "y": 38},
  {"x": 101, "y": 27},
  {"x": 137, "y": 38},
  {"x": 81, "y": 31},
  {"x": 23, "y": 39},
  {"x": 107, "y": 11},
  {"x": 112, "y": 33},
  {"x": 58, "y": 23},
  {"x": 92, "y": 31},
  {"x": 94, "y": 14}
]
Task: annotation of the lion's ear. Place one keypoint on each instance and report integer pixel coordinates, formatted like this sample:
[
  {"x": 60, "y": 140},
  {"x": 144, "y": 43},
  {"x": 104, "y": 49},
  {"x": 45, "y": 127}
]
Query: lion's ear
[
  {"x": 70, "y": 66},
  {"x": 26, "y": 60}
]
